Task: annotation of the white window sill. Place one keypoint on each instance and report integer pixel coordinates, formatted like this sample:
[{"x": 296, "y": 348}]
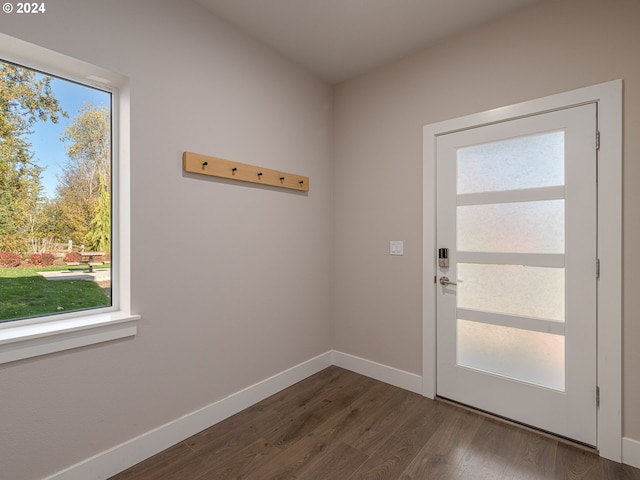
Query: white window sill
[{"x": 31, "y": 340}]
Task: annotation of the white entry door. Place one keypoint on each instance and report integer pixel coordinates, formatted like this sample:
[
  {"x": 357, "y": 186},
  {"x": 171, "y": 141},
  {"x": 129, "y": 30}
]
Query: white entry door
[{"x": 516, "y": 305}]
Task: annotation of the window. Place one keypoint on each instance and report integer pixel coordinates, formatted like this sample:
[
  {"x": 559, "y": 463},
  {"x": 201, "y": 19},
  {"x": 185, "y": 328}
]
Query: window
[
  {"x": 64, "y": 199},
  {"x": 55, "y": 195}
]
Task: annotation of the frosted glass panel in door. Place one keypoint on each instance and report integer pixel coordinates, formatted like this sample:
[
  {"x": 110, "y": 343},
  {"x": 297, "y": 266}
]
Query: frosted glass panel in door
[
  {"x": 512, "y": 289},
  {"x": 532, "y": 357},
  {"x": 521, "y": 227},
  {"x": 526, "y": 162}
]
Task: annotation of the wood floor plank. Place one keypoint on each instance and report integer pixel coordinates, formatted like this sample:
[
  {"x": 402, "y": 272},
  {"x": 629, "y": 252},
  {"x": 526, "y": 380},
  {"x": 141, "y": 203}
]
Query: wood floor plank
[
  {"x": 487, "y": 454},
  {"x": 348, "y": 419},
  {"x": 393, "y": 457},
  {"x": 310, "y": 434},
  {"x": 156, "y": 466},
  {"x": 306, "y": 393},
  {"x": 339, "y": 463},
  {"x": 295, "y": 458},
  {"x": 374, "y": 430},
  {"x": 226, "y": 438},
  {"x": 441, "y": 456},
  {"x": 304, "y": 420},
  {"x": 534, "y": 457},
  {"x": 338, "y": 425},
  {"x": 220, "y": 443},
  {"x": 617, "y": 471},
  {"x": 575, "y": 463},
  {"x": 262, "y": 417},
  {"x": 333, "y": 432},
  {"x": 239, "y": 466}
]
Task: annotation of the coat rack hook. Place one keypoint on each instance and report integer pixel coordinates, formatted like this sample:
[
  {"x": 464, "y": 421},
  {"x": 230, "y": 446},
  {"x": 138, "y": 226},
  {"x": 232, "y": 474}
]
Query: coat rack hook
[
  {"x": 234, "y": 170},
  {"x": 281, "y": 179},
  {"x": 204, "y": 164},
  {"x": 260, "y": 175},
  {"x": 301, "y": 182}
]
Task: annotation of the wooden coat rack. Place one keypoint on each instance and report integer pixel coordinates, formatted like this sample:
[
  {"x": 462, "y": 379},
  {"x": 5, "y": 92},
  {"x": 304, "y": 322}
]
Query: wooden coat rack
[{"x": 218, "y": 167}]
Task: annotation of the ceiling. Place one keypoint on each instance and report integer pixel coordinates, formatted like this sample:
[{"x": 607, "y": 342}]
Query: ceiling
[{"x": 338, "y": 39}]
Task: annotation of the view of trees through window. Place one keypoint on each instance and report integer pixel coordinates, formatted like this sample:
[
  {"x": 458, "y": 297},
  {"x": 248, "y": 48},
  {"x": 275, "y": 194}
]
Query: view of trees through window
[{"x": 55, "y": 195}]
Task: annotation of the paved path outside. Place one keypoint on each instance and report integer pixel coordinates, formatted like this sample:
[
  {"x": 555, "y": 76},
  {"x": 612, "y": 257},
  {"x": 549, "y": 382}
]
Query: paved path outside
[{"x": 98, "y": 275}]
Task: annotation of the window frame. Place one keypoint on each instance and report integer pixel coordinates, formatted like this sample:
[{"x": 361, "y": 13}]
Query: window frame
[{"x": 35, "y": 336}]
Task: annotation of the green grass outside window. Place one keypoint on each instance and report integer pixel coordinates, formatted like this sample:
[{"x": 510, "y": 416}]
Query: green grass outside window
[{"x": 24, "y": 293}]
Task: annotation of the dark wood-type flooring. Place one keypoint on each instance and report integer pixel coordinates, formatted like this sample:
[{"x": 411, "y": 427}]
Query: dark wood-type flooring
[{"x": 338, "y": 425}]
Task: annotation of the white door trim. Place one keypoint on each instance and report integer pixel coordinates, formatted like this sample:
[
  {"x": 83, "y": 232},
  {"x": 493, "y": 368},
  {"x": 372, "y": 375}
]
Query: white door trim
[{"x": 609, "y": 98}]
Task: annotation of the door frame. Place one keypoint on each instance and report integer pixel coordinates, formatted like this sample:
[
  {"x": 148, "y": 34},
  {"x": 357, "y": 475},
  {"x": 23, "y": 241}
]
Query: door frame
[{"x": 608, "y": 96}]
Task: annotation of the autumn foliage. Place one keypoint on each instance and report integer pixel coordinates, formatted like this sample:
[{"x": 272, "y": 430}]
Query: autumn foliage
[{"x": 10, "y": 259}]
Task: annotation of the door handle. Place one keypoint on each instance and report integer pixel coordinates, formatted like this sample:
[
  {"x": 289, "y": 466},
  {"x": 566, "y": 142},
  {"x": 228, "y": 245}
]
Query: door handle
[{"x": 445, "y": 281}]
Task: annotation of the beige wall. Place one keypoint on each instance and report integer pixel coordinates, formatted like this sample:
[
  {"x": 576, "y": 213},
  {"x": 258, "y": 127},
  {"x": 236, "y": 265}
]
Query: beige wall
[
  {"x": 549, "y": 47},
  {"x": 232, "y": 281}
]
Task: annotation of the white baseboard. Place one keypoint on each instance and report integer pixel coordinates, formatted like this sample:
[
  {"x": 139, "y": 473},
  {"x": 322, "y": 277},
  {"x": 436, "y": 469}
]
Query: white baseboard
[
  {"x": 125, "y": 455},
  {"x": 631, "y": 452},
  {"x": 392, "y": 376}
]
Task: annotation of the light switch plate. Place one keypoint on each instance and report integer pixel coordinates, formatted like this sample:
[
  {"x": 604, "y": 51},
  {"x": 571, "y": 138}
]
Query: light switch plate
[{"x": 396, "y": 247}]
